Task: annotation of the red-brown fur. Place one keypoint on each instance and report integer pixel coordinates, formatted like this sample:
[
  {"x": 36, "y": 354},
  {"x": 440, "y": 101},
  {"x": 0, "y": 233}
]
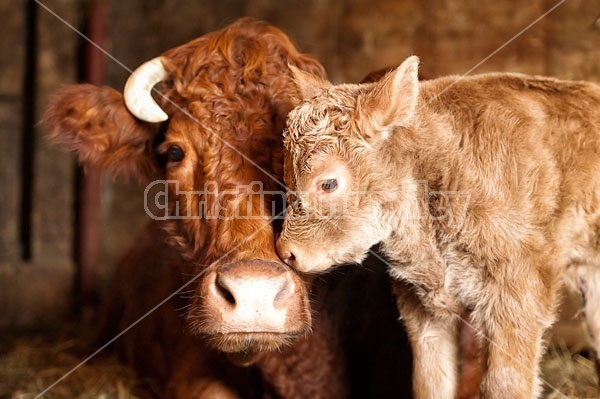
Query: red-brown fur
[{"x": 232, "y": 85}]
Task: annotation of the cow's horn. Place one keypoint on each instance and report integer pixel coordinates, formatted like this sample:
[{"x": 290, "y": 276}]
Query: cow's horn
[{"x": 138, "y": 89}]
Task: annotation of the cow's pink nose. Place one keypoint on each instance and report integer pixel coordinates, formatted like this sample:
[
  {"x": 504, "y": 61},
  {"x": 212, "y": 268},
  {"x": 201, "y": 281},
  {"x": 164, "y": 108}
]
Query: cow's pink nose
[
  {"x": 252, "y": 296},
  {"x": 240, "y": 291},
  {"x": 250, "y": 305},
  {"x": 286, "y": 254}
]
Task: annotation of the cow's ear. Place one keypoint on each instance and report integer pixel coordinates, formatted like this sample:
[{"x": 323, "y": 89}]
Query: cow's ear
[
  {"x": 307, "y": 84},
  {"x": 392, "y": 102},
  {"x": 94, "y": 122}
]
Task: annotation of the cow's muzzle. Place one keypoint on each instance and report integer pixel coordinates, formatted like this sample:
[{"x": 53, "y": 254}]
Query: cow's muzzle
[{"x": 250, "y": 304}]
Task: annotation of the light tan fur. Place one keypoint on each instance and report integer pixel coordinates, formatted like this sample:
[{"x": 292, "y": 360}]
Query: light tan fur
[{"x": 483, "y": 191}]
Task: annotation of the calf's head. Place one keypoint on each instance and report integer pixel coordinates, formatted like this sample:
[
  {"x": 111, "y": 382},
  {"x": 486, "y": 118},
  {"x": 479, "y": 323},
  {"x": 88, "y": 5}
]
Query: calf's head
[
  {"x": 214, "y": 140},
  {"x": 337, "y": 140}
]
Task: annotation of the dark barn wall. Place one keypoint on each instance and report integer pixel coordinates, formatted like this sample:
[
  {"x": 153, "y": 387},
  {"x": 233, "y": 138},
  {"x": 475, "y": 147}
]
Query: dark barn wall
[
  {"x": 351, "y": 38},
  {"x": 36, "y": 193}
]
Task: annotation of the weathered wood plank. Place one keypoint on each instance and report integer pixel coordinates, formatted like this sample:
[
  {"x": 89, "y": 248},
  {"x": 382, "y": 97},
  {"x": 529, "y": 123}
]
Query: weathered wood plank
[
  {"x": 54, "y": 170},
  {"x": 11, "y": 81},
  {"x": 37, "y": 291}
]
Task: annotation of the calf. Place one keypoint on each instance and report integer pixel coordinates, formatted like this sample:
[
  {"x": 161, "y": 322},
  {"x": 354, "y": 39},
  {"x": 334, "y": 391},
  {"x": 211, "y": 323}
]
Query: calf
[
  {"x": 481, "y": 190},
  {"x": 215, "y": 144}
]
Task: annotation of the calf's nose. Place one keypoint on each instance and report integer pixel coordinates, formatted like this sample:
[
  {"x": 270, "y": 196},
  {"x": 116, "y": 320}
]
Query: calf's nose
[{"x": 285, "y": 253}]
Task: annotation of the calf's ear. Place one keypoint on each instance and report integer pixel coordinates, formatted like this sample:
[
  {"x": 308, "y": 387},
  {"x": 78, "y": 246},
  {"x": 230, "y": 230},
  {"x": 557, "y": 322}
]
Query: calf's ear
[
  {"x": 94, "y": 122},
  {"x": 392, "y": 102},
  {"x": 307, "y": 84}
]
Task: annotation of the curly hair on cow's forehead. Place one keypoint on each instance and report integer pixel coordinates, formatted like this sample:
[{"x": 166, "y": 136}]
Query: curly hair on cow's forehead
[{"x": 246, "y": 56}]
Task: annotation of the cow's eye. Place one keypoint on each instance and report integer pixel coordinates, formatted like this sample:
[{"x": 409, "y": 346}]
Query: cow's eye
[
  {"x": 329, "y": 185},
  {"x": 175, "y": 154}
]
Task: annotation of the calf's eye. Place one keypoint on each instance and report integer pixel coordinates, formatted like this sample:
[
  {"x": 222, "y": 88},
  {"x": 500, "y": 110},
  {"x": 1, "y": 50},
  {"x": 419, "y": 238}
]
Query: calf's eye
[
  {"x": 175, "y": 154},
  {"x": 329, "y": 185}
]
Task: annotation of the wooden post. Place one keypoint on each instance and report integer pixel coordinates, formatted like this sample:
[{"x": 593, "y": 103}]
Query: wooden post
[{"x": 89, "y": 212}]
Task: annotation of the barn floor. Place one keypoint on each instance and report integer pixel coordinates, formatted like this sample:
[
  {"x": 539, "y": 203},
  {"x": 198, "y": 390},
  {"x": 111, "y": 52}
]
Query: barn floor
[
  {"x": 572, "y": 374},
  {"x": 31, "y": 362}
]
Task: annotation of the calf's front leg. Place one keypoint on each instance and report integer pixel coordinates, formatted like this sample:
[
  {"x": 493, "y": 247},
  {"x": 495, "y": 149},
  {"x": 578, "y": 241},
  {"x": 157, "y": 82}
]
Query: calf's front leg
[
  {"x": 434, "y": 344},
  {"x": 513, "y": 316}
]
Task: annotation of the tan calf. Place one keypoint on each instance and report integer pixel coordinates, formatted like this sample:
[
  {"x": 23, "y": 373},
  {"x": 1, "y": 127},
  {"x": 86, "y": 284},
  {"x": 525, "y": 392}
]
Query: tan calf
[{"x": 481, "y": 190}]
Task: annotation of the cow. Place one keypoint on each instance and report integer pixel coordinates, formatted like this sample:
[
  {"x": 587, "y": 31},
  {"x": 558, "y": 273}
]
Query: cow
[
  {"x": 483, "y": 192},
  {"x": 202, "y": 303}
]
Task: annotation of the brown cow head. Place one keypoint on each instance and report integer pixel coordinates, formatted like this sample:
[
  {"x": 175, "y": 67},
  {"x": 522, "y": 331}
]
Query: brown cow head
[{"x": 218, "y": 150}]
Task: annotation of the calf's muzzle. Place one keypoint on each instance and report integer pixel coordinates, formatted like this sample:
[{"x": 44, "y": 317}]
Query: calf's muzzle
[{"x": 285, "y": 253}]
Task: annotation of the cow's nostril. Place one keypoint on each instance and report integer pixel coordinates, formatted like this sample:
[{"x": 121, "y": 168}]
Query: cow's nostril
[
  {"x": 285, "y": 290},
  {"x": 224, "y": 291}
]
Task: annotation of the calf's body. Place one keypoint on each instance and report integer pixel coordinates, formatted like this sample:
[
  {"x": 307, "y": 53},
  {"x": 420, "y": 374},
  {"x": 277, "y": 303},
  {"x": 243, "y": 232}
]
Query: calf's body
[{"x": 484, "y": 192}]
